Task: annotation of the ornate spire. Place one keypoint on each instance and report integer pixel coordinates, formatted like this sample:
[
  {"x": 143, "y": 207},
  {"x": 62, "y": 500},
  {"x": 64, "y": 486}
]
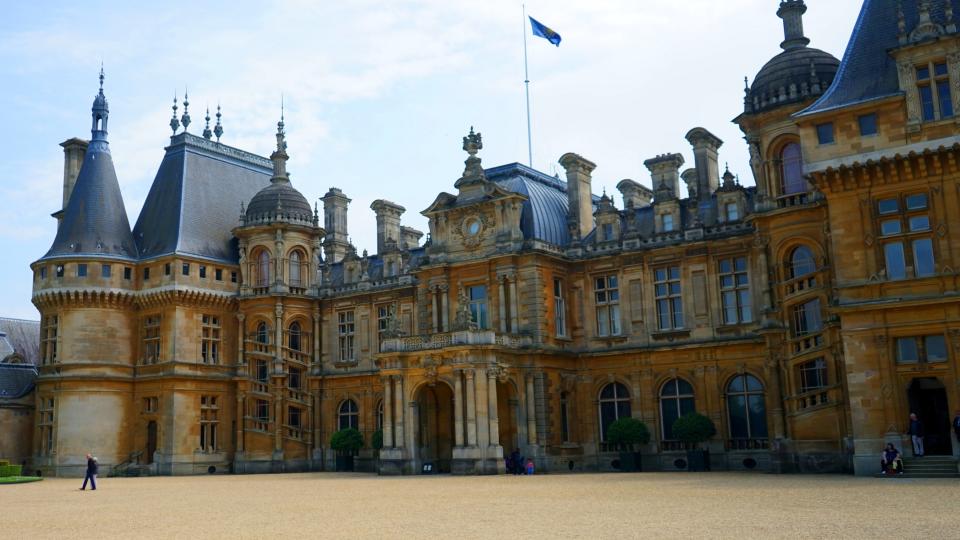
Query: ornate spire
[
  {"x": 279, "y": 156},
  {"x": 185, "y": 119},
  {"x": 791, "y": 11},
  {"x": 206, "y": 130},
  {"x": 218, "y": 129},
  {"x": 473, "y": 172},
  {"x": 99, "y": 112},
  {"x": 174, "y": 123}
]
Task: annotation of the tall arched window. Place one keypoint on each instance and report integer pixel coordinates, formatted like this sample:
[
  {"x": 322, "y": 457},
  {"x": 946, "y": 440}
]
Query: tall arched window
[
  {"x": 349, "y": 415},
  {"x": 295, "y": 268},
  {"x": 380, "y": 414},
  {"x": 676, "y": 400},
  {"x": 791, "y": 170},
  {"x": 614, "y": 404},
  {"x": 746, "y": 408},
  {"x": 263, "y": 333},
  {"x": 802, "y": 262},
  {"x": 293, "y": 336},
  {"x": 263, "y": 269}
]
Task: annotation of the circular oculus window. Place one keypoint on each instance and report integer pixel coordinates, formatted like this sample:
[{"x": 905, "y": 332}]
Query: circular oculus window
[{"x": 473, "y": 226}]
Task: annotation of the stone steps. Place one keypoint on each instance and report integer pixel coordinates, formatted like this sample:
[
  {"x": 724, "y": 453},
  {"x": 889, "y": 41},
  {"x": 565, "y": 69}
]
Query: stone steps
[{"x": 928, "y": 467}]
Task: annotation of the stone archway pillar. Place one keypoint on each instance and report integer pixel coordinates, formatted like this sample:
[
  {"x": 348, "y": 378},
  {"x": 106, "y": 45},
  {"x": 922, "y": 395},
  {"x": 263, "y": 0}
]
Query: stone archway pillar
[
  {"x": 458, "y": 408},
  {"x": 492, "y": 407},
  {"x": 471, "y": 409}
]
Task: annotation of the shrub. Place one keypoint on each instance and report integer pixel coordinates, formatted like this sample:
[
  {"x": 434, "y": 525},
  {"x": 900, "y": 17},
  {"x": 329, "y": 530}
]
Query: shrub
[
  {"x": 10, "y": 470},
  {"x": 693, "y": 428},
  {"x": 347, "y": 441},
  {"x": 627, "y": 432},
  {"x": 376, "y": 440}
]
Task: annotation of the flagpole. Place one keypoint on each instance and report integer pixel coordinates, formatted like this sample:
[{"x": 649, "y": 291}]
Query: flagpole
[{"x": 526, "y": 83}]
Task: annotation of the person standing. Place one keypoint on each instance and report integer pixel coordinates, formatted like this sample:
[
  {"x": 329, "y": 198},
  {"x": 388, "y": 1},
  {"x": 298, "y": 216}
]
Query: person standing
[
  {"x": 956, "y": 425},
  {"x": 916, "y": 435},
  {"x": 92, "y": 470}
]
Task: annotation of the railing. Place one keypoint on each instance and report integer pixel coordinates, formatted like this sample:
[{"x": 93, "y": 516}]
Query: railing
[
  {"x": 123, "y": 466},
  {"x": 453, "y": 339},
  {"x": 799, "y": 285},
  {"x": 260, "y": 387},
  {"x": 295, "y": 394},
  {"x": 812, "y": 398},
  {"x": 748, "y": 444},
  {"x": 675, "y": 446},
  {"x": 807, "y": 342},
  {"x": 255, "y": 345},
  {"x": 796, "y": 199},
  {"x": 258, "y": 424},
  {"x": 294, "y": 432},
  {"x": 260, "y": 277}
]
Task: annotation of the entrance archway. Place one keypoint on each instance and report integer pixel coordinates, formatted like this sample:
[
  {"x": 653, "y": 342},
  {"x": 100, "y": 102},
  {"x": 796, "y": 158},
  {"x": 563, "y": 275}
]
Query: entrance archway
[
  {"x": 435, "y": 426},
  {"x": 507, "y": 404},
  {"x": 928, "y": 398},
  {"x": 151, "y": 441}
]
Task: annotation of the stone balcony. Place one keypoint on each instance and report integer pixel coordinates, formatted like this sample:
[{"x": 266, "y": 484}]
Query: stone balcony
[{"x": 455, "y": 339}]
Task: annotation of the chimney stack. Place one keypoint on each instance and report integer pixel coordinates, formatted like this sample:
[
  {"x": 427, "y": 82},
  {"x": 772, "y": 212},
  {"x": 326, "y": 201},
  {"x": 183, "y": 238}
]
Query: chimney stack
[
  {"x": 579, "y": 194},
  {"x": 388, "y": 222},
  {"x": 705, "y": 146},
  {"x": 665, "y": 170},
  {"x": 336, "y": 241},
  {"x": 73, "y": 152},
  {"x": 409, "y": 238},
  {"x": 634, "y": 194},
  {"x": 791, "y": 11}
]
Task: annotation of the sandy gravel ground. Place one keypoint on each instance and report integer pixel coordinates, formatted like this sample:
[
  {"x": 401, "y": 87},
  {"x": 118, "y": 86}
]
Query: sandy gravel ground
[{"x": 328, "y": 505}]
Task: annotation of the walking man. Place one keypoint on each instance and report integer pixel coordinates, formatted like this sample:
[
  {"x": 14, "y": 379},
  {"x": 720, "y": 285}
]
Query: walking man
[
  {"x": 916, "y": 435},
  {"x": 92, "y": 470}
]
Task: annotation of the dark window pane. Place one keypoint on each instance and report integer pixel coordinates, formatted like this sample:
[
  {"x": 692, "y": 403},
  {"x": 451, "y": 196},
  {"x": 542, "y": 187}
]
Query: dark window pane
[
  {"x": 896, "y": 265},
  {"x": 792, "y": 170},
  {"x": 607, "y": 392},
  {"x": 683, "y": 387},
  {"x": 917, "y": 201},
  {"x": 923, "y": 257},
  {"x": 825, "y": 133},
  {"x": 940, "y": 69},
  {"x": 608, "y": 414},
  {"x": 668, "y": 415},
  {"x": 670, "y": 388},
  {"x": 888, "y": 206},
  {"x": 946, "y": 103},
  {"x": 757, "y": 410},
  {"x": 907, "y": 350},
  {"x": 737, "y": 405},
  {"x": 890, "y": 226},
  {"x": 868, "y": 124},
  {"x": 736, "y": 384},
  {"x": 936, "y": 348},
  {"x": 802, "y": 262},
  {"x": 919, "y": 223},
  {"x": 923, "y": 73},
  {"x": 686, "y": 406},
  {"x": 754, "y": 384},
  {"x": 926, "y": 102}
]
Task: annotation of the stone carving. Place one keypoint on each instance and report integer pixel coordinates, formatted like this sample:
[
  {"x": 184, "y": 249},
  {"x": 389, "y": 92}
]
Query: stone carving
[
  {"x": 463, "y": 320},
  {"x": 394, "y": 326}
]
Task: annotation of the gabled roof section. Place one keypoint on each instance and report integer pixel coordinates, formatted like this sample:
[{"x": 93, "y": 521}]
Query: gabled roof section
[
  {"x": 16, "y": 380},
  {"x": 195, "y": 199},
  {"x": 868, "y": 71}
]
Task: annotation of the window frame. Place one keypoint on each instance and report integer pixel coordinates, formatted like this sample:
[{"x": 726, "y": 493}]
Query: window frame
[
  {"x": 742, "y": 300},
  {"x": 746, "y": 393},
  {"x": 346, "y": 335},
  {"x": 669, "y": 300},
  {"x": 901, "y": 237},
  {"x": 679, "y": 400},
  {"x": 559, "y": 309},
  {"x": 210, "y": 336},
  {"x": 606, "y": 299},
  {"x": 935, "y": 84},
  {"x": 616, "y": 400}
]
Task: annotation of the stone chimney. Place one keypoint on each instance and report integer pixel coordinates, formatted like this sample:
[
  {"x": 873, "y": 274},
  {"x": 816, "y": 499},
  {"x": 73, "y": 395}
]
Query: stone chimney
[
  {"x": 634, "y": 194},
  {"x": 579, "y": 194},
  {"x": 689, "y": 177},
  {"x": 388, "y": 222},
  {"x": 409, "y": 238},
  {"x": 791, "y": 11},
  {"x": 337, "y": 240},
  {"x": 665, "y": 171},
  {"x": 705, "y": 146},
  {"x": 73, "y": 152}
]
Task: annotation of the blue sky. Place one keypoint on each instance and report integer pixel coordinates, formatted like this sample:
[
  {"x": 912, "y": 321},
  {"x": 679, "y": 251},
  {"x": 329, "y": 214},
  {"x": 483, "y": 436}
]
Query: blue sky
[{"x": 378, "y": 94}]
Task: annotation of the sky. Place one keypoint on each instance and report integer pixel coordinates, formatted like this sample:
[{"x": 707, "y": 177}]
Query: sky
[{"x": 378, "y": 94}]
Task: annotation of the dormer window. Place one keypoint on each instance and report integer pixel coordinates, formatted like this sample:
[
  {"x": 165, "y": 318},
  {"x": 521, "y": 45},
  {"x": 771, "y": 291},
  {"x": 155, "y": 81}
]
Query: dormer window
[
  {"x": 933, "y": 83},
  {"x": 608, "y": 231},
  {"x": 732, "y": 211},
  {"x": 791, "y": 170},
  {"x": 666, "y": 222}
]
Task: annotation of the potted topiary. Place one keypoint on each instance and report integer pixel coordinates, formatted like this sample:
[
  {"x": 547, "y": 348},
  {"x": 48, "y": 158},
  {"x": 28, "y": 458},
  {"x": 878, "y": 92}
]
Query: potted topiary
[
  {"x": 346, "y": 442},
  {"x": 695, "y": 429},
  {"x": 626, "y": 434},
  {"x": 376, "y": 442}
]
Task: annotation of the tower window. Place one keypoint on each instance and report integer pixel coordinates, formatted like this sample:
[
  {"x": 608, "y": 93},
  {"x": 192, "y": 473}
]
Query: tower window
[
  {"x": 218, "y": 274},
  {"x": 146, "y": 274},
  {"x": 166, "y": 269},
  {"x": 936, "y": 102},
  {"x": 82, "y": 270},
  {"x": 186, "y": 269},
  {"x": 868, "y": 124},
  {"x": 127, "y": 272},
  {"x": 203, "y": 271},
  {"x": 825, "y": 133},
  {"x": 106, "y": 270}
]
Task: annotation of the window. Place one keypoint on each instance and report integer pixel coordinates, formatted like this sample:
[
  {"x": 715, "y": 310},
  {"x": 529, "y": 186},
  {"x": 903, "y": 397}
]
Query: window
[
  {"x": 559, "y": 309},
  {"x": 263, "y": 371},
  {"x": 262, "y": 410},
  {"x": 203, "y": 272},
  {"x": 735, "y": 291},
  {"x": 384, "y": 313},
  {"x": 293, "y": 378},
  {"x": 868, "y": 124},
  {"x": 666, "y": 222},
  {"x": 806, "y": 318},
  {"x": 218, "y": 274},
  {"x": 208, "y": 423},
  {"x": 48, "y": 340},
  {"x": 746, "y": 408},
  {"x": 614, "y": 405},
  {"x": 295, "y": 268},
  {"x": 477, "y": 295},
  {"x": 127, "y": 273},
  {"x": 907, "y": 243},
  {"x": 106, "y": 270},
  {"x": 380, "y": 414},
  {"x": 263, "y": 269},
  {"x": 812, "y": 375},
  {"x": 565, "y": 417},
  {"x": 607, "y": 298},
  {"x": 294, "y": 417},
  {"x": 608, "y": 231},
  {"x": 825, "y": 133},
  {"x": 676, "y": 400},
  {"x": 349, "y": 415},
  {"x": 210, "y": 339},
  {"x": 263, "y": 333},
  {"x": 185, "y": 269},
  {"x": 294, "y": 334},
  {"x": 45, "y": 425},
  {"x": 151, "y": 339},
  {"x": 802, "y": 262},
  {"x": 43, "y": 272},
  {"x": 233, "y": 277},
  {"x": 930, "y": 349},
  {"x": 166, "y": 269},
  {"x": 59, "y": 270},
  {"x": 732, "y": 211},
  {"x": 666, "y": 284},
  {"x": 151, "y": 405},
  {"x": 146, "y": 274},
  {"x": 935, "y": 100},
  {"x": 345, "y": 332},
  {"x": 82, "y": 270}
]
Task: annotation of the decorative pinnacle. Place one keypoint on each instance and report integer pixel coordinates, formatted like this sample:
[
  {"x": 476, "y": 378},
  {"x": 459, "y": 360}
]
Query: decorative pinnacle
[
  {"x": 174, "y": 123},
  {"x": 472, "y": 143},
  {"x": 218, "y": 129},
  {"x": 101, "y": 77},
  {"x": 185, "y": 119},
  {"x": 206, "y": 130},
  {"x": 746, "y": 85}
]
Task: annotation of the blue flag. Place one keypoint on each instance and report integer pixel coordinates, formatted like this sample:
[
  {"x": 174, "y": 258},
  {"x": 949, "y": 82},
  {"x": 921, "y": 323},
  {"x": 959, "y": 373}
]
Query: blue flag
[{"x": 541, "y": 30}]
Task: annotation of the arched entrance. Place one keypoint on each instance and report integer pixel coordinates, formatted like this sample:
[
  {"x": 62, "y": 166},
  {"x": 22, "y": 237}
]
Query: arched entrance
[
  {"x": 928, "y": 398},
  {"x": 507, "y": 405},
  {"x": 435, "y": 426},
  {"x": 151, "y": 441}
]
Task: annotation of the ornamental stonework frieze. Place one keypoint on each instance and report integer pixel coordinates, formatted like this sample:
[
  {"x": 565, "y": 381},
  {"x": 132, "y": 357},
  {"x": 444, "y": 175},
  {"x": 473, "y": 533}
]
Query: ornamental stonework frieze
[{"x": 472, "y": 227}]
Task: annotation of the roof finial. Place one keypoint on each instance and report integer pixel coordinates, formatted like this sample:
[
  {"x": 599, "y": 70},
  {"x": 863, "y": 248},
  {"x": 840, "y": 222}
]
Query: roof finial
[
  {"x": 279, "y": 156},
  {"x": 174, "y": 123},
  {"x": 101, "y": 76},
  {"x": 206, "y": 130},
  {"x": 791, "y": 11},
  {"x": 218, "y": 129},
  {"x": 185, "y": 119}
]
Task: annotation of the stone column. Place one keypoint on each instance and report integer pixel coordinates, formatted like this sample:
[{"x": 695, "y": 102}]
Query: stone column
[
  {"x": 278, "y": 337},
  {"x": 501, "y": 287},
  {"x": 444, "y": 312},
  {"x": 387, "y": 412},
  {"x": 531, "y": 412},
  {"x": 316, "y": 338},
  {"x": 458, "y": 408},
  {"x": 436, "y": 310},
  {"x": 471, "y": 409},
  {"x": 398, "y": 396},
  {"x": 240, "y": 335},
  {"x": 492, "y": 404},
  {"x": 514, "y": 306},
  {"x": 241, "y": 421},
  {"x": 483, "y": 417}
]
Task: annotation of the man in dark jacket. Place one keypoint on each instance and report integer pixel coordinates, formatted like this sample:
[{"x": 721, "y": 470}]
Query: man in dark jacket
[
  {"x": 92, "y": 469},
  {"x": 916, "y": 435},
  {"x": 956, "y": 425}
]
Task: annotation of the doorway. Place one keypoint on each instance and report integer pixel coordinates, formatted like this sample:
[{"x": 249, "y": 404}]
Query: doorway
[
  {"x": 435, "y": 426},
  {"x": 928, "y": 398},
  {"x": 151, "y": 441},
  {"x": 507, "y": 404}
]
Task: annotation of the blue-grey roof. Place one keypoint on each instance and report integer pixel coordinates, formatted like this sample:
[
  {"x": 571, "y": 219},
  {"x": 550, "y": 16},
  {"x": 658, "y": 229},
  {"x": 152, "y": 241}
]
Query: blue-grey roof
[
  {"x": 195, "y": 199},
  {"x": 95, "y": 219},
  {"x": 375, "y": 266},
  {"x": 23, "y": 336},
  {"x": 16, "y": 380},
  {"x": 868, "y": 71}
]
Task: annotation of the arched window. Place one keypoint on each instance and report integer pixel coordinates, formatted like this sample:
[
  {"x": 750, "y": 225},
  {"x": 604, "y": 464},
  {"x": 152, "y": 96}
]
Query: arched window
[
  {"x": 263, "y": 269},
  {"x": 791, "y": 170},
  {"x": 263, "y": 333},
  {"x": 349, "y": 415},
  {"x": 676, "y": 400},
  {"x": 746, "y": 408},
  {"x": 802, "y": 262},
  {"x": 380, "y": 414},
  {"x": 614, "y": 404},
  {"x": 293, "y": 336},
  {"x": 295, "y": 268}
]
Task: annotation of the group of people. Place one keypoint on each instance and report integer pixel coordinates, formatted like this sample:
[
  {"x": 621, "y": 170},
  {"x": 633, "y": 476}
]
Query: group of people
[
  {"x": 517, "y": 464},
  {"x": 891, "y": 462}
]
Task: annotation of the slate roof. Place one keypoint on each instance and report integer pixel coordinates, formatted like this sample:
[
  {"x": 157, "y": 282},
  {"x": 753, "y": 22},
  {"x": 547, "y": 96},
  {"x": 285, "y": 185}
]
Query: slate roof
[
  {"x": 16, "y": 380},
  {"x": 868, "y": 71},
  {"x": 194, "y": 201},
  {"x": 23, "y": 336}
]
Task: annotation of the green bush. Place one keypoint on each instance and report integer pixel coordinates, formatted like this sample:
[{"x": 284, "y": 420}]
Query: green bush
[
  {"x": 347, "y": 441},
  {"x": 10, "y": 470},
  {"x": 627, "y": 432},
  {"x": 4, "y": 462},
  {"x": 693, "y": 428},
  {"x": 376, "y": 440}
]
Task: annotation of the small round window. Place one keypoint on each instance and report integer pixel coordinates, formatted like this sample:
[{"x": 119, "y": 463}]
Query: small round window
[{"x": 473, "y": 226}]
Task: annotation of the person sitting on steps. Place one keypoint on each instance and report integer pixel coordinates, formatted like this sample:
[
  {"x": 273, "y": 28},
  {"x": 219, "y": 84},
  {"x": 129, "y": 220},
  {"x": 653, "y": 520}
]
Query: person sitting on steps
[{"x": 891, "y": 461}]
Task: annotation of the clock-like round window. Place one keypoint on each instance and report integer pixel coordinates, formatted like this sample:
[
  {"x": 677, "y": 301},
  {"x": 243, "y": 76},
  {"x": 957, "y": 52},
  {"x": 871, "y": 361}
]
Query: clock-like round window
[{"x": 473, "y": 226}]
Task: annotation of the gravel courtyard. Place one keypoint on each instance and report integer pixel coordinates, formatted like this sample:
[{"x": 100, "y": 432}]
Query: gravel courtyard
[{"x": 328, "y": 505}]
